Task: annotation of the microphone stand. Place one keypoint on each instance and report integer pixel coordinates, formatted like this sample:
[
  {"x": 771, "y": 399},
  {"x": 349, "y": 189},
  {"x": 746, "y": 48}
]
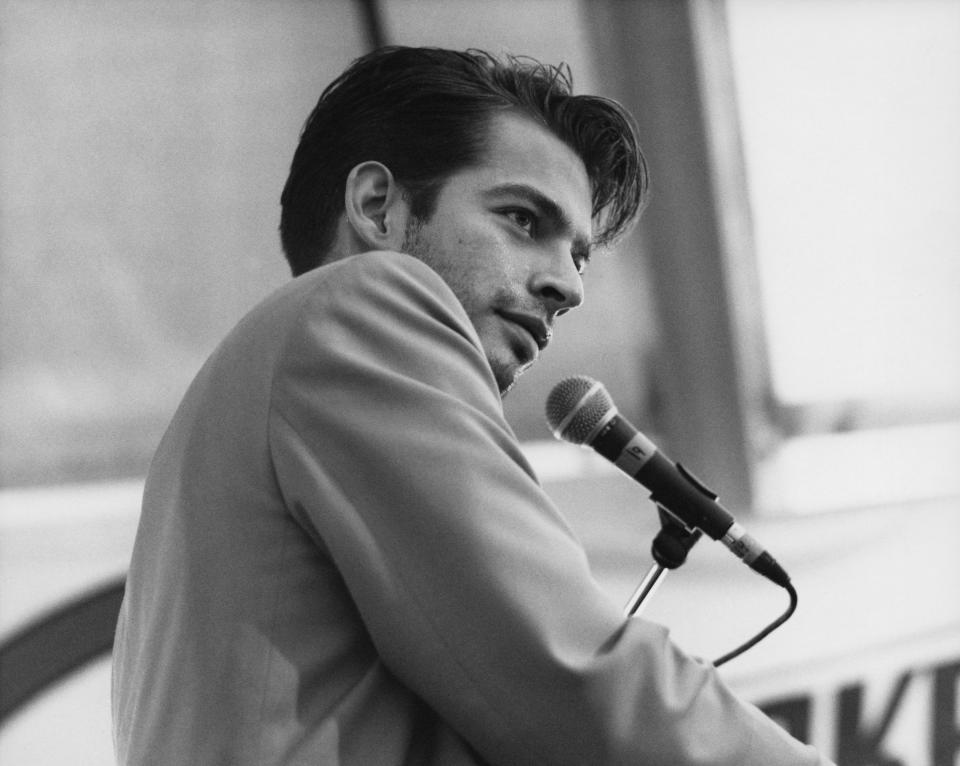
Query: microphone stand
[{"x": 669, "y": 549}]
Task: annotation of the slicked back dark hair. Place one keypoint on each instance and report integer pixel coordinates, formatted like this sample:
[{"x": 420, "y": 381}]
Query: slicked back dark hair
[{"x": 423, "y": 113}]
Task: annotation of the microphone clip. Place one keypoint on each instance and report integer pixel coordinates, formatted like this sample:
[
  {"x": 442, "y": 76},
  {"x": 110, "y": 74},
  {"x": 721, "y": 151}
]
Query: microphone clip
[
  {"x": 674, "y": 540},
  {"x": 669, "y": 549}
]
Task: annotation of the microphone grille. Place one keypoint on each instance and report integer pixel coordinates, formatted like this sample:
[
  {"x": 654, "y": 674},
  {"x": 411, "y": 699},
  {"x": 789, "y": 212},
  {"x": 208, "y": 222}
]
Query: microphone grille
[{"x": 576, "y": 406}]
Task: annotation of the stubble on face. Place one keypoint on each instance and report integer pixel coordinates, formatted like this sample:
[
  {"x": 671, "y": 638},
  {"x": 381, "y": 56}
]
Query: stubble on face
[{"x": 417, "y": 244}]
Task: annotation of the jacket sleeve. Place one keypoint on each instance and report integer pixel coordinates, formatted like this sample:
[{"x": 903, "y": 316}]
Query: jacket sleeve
[{"x": 390, "y": 445}]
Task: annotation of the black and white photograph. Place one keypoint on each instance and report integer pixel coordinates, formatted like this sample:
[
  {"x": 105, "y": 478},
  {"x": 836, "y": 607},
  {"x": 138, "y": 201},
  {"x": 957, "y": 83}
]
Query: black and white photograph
[{"x": 480, "y": 382}]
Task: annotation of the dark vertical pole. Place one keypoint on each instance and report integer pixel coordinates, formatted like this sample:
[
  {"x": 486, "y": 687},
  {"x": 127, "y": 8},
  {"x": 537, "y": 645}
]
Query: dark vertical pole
[
  {"x": 373, "y": 23},
  {"x": 666, "y": 60}
]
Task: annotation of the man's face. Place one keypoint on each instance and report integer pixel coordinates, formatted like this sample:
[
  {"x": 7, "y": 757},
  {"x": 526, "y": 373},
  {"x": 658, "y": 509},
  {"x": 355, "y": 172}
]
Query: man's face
[{"x": 510, "y": 237}]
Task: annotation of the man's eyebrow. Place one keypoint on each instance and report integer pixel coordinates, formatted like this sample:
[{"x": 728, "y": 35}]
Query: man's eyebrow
[{"x": 582, "y": 244}]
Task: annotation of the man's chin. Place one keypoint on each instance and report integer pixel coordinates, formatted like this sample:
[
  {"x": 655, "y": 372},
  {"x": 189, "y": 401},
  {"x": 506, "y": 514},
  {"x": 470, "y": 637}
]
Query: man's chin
[{"x": 507, "y": 377}]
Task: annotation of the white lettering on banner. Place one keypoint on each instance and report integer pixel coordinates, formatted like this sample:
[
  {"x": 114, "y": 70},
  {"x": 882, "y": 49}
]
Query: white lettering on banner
[{"x": 916, "y": 725}]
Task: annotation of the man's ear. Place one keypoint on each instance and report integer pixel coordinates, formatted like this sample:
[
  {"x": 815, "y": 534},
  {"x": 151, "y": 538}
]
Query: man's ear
[{"x": 375, "y": 207}]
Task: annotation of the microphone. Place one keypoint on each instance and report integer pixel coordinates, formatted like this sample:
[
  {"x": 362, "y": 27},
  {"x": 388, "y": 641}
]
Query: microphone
[{"x": 579, "y": 410}]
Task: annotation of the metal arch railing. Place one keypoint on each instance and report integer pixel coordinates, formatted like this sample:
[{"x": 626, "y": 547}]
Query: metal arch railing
[{"x": 51, "y": 647}]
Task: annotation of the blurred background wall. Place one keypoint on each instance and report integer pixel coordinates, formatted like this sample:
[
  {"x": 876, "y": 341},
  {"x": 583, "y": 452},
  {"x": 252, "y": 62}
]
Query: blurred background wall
[{"x": 785, "y": 320}]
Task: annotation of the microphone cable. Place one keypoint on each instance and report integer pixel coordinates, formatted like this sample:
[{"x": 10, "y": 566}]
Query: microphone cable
[{"x": 766, "y": 631}]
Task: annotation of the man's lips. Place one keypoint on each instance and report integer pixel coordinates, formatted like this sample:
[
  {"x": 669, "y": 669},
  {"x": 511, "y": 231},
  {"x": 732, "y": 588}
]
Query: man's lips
[{"x": 537, "y": 328}]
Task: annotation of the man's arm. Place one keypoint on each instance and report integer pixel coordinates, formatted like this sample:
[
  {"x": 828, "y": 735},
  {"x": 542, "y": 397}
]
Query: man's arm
[{"x": 473, "y": 588}]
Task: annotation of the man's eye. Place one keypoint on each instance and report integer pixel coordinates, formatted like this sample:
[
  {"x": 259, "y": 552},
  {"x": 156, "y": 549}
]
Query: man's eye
[{"x": 523, "y": 219}]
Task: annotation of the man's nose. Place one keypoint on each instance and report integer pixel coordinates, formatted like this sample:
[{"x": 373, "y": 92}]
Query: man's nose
[{"x": 558, "y": 284}]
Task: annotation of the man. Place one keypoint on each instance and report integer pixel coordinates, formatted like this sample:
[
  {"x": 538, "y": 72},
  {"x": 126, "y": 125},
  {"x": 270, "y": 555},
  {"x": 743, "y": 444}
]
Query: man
[{"x": 343, "y": 556}]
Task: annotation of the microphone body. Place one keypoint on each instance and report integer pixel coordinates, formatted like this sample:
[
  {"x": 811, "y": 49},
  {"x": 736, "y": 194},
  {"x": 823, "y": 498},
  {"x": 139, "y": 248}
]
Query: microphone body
[
  {"x": 581, "y": 411},
  {"x": 670, "y": 484}
]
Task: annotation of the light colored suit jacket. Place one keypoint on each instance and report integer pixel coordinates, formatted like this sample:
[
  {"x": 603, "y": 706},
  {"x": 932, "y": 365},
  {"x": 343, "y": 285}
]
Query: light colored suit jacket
[{"x": 344, "y": 558}]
